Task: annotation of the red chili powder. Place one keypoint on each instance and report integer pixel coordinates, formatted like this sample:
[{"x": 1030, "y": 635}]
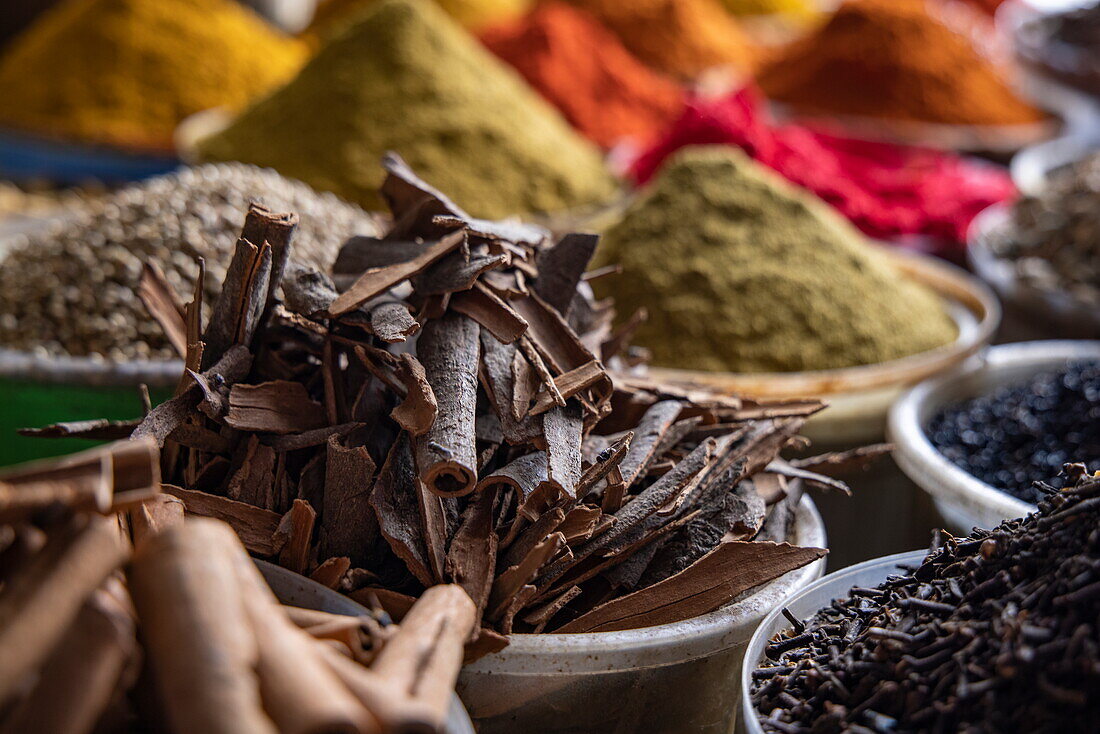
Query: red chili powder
[
  {"x": 889, "y": 191},
  {"x": 583, "y": 69}
]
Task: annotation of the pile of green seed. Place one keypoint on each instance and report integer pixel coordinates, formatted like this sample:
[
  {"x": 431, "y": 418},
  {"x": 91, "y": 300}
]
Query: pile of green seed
[{"x": 70, "y": 289}]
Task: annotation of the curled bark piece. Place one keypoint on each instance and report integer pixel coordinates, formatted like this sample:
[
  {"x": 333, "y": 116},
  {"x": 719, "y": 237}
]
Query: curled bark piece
[
  {"x": 392, "y": 322},
  {"x": 446, "y": 454},
  {"x": 418, "y": 409},
  {"x": 527, "y": 476}
]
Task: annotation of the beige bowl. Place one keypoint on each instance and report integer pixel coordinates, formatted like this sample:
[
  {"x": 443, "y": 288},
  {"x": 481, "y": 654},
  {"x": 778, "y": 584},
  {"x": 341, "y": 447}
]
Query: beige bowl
[{"x": 859, "y": 397}]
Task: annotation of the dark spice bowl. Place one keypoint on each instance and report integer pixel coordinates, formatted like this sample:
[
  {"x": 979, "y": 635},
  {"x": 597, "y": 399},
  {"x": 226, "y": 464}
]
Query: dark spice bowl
[
  {"x": 964, "y": 500},
  {"x": 819, "y": 594},
  {"x": 859, "y": 397}
]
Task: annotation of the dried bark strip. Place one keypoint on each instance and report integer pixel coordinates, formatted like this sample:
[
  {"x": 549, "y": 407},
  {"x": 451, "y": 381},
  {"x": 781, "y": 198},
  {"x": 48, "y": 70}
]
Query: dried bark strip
[
  {"x": 163, "y": 305},
  {"x": 394, "y": 499},
  {"x": 561, "y": 267},
  {"x": 377, "y": 281},
  {"x": 562, "y": 429},
  {"x": 455, "y": 273},
  {"x": 471, "y": 560},
  {"x": 647, "y": 437},
  {"x": 417, "y": 411},
  {"x": 257, "y": 528},
  {"x": 553, "y": 336},
  {"x": 492, "y": 312},
  {"x": 350, "y": 527},
  {"x": 710, "y": 582},
  {"x": 297, "y": 527},
  {"x": 278, "y": 406},
  {"x": 512, "y": 580},
  {"x": 568, "y": 385}
]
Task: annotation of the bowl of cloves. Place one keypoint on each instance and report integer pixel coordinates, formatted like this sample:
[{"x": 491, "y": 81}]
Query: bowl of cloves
[{"x": 990, "y": 632}]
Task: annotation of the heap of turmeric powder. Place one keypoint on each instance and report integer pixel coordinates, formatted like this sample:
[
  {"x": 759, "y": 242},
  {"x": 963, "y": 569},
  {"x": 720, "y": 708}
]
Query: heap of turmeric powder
[
  {"x": 679, "y": 37},
  {"x": 894, "y": 59},
  {"x": 125, "y": 72}
]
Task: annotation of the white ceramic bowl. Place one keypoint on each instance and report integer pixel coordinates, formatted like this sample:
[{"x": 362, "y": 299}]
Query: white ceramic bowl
[
  {"x": 299, "y": 591},
  {"x": 670, "y": 678},
  {"x": 964, "y": 501},
  {"x": 804, "y": 605}
]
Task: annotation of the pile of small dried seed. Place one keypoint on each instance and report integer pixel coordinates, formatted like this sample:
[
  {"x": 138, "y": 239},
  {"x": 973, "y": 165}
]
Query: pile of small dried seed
[{"x": 70, "y": 289}]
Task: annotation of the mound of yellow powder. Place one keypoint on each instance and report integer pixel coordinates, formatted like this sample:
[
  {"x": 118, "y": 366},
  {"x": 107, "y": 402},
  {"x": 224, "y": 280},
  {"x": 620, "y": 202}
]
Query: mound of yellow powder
[
  {"x": 125, "y": 72},
  {"x": 407, "y": 78}
]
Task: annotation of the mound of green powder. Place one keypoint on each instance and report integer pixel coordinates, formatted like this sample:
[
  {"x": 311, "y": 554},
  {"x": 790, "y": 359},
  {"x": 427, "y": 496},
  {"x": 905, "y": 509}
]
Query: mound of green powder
[
  {"x": 406, "y": 77},
  {"x": 742, "y": 272}
]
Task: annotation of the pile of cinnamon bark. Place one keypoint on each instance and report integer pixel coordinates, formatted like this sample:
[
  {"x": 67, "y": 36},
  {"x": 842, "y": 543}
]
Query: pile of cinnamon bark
[
  {"x": 116, "y": 614},
  {"x": 441, "y": 410}
]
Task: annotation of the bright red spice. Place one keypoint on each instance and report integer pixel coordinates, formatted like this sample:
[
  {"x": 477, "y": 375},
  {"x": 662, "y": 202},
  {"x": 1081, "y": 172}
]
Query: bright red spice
[
  {"x": 583, "y": 69},
  {"x": 889, "y": 191}
]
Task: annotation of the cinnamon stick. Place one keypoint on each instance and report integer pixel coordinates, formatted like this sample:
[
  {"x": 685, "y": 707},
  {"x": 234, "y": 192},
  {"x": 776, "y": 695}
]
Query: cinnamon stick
[
  {"x": 446, "y": 454},
  {"x": 39, "y": 601},
  {"x": 202, "y": 645}
]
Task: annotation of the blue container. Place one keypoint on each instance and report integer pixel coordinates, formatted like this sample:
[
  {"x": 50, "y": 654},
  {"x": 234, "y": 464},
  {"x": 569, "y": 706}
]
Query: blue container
[{"x": 26, "y": 157}]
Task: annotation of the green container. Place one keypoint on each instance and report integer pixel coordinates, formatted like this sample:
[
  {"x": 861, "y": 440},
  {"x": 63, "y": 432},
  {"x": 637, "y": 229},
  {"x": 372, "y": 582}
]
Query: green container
[{"x": 36, "y": 391}]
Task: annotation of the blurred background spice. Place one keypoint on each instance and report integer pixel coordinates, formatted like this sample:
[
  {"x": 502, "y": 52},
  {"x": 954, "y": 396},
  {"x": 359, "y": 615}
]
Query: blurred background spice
[
  {"x": 580, "y": 67},
  {"x": 740, "y": 271},
  {"x": 473, "y": 14},
  {"x": 407, "y": 78},
  {"x": 896, "y": 59},
  {"x": 1023, "y": 433},
  {"x": 70, "y": 289},
  {"x": 126, "y": 72},
  {"x": 679, "y": 37},
  {"x": 800, "y": 9},
  {"x": 888, "y": 191}
]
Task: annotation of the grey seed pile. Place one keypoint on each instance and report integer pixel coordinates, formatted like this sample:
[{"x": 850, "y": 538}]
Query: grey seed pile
[
  {"x": 71, "y": 288},
  {"x": 1054, "y": 238}
]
